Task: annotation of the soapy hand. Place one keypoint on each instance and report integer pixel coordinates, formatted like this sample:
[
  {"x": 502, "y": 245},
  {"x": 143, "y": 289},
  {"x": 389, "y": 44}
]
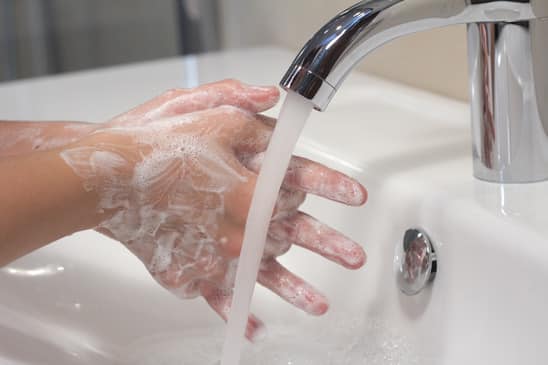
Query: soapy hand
[{"x": 175, "y": 176}]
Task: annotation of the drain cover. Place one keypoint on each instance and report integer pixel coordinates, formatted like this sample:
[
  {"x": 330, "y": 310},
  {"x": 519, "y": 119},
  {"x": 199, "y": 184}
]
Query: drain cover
[{"x": 415, "y": 262}]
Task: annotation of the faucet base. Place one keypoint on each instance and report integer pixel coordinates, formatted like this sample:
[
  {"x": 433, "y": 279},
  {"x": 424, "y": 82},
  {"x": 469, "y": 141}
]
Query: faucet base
[{"x": 508, "y": 87}]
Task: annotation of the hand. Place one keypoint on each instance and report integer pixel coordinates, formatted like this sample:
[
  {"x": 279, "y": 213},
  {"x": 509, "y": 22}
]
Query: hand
[
  {"x": 290, "y": 226},
  {"x": 174, "y": 178}
]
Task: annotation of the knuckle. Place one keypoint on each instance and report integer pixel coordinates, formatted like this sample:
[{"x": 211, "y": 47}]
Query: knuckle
[
  {"x": 232, "y": 82},
  {"x": 228, "y": 109},
  {"x": 234, "y": 111}
]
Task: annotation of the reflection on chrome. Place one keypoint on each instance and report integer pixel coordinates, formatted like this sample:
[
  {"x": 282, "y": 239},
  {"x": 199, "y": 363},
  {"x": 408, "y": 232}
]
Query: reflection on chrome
[{"x": 46, "y": 270}]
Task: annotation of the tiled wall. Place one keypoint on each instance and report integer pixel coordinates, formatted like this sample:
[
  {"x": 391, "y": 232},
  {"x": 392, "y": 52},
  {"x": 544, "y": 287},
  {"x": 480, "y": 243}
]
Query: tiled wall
[{"x": 434, "y": 60}]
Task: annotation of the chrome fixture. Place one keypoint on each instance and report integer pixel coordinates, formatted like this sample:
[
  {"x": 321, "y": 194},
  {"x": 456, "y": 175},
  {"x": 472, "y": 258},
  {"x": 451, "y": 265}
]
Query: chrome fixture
[
  {"x": 508, "y": 71},
  {"x": 415, "y": 262}
]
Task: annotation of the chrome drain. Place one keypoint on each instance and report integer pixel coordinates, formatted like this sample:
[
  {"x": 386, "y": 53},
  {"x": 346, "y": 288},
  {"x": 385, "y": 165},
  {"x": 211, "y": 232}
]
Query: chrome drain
[{"x": 415, "y": 262}]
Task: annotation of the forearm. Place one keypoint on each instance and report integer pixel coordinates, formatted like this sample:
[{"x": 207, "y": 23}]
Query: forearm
[
  {"x": 23, "y": 137},
  {"x": 41, "y": 200}
]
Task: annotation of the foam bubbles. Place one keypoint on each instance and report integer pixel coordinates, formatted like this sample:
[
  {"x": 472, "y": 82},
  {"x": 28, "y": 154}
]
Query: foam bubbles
[{"x": 167, "y": 187}]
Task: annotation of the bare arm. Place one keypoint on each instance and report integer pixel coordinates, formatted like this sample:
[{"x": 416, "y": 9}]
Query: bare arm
[
  {"x": 41, "y": 200},
  {"x": 23, "y": 137}
]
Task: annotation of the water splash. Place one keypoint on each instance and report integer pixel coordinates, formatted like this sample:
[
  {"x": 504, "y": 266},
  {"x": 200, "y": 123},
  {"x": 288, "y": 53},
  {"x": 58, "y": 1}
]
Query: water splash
[{"x": 347, "y": 340}]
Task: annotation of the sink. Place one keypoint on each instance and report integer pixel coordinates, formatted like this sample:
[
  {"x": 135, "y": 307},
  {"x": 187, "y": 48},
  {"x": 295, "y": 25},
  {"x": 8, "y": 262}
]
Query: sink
[{"x": 86, "y": 300}]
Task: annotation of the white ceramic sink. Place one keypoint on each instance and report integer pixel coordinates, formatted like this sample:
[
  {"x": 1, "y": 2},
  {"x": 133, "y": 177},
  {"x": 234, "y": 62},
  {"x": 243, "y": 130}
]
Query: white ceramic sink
[{"x": 86, "y": 300}]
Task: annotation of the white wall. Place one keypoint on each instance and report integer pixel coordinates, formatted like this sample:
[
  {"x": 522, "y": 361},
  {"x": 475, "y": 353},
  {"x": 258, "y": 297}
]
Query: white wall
[{"x": 434, "y": 60}]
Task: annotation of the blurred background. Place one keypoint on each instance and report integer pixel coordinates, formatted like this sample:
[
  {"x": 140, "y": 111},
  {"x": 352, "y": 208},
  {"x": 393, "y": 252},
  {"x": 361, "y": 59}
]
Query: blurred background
[{"x": 40, "y": 37}]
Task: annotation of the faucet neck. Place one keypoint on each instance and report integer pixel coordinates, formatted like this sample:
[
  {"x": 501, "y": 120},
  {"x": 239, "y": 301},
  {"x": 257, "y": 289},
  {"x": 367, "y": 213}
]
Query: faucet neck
[{"x": 325, "y": 60}]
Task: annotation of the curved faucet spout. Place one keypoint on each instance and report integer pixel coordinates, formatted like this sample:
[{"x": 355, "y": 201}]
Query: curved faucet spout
[{"x": 326, "y": 59}]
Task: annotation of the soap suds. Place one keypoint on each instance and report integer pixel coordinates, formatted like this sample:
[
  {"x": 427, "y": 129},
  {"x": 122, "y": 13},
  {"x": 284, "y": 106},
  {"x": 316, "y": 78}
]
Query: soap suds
[
  {"x": 181, "y": 101},
  {"x": 25, "y": 137},
  {"x": 167, "y": 199}
]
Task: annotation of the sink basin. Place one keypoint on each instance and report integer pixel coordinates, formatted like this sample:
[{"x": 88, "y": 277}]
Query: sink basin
[{"x": 86, "y": 300}]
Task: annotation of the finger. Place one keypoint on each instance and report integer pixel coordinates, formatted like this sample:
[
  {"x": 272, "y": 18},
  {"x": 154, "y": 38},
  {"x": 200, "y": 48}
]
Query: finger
[
  {"x": 314, "y": 178},
  {"x": 288, "y": 202},
  {"x": 291, "y": 288},
  {"x": 244, "y": 131},
  {"x": 307, "y": 232},
  {"x": 230, "y": 232},
  {"x": 237, "y": 199},
  {"x": 253, "y": 134},
  {"x": 274, "y": 248},
  {"x": 181, "y": 101},
  {"x": 220, "y": 301},
  {"x": 256, "y": 99}
]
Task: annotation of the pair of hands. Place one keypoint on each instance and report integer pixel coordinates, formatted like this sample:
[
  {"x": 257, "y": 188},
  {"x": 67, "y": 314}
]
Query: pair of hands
[{"x": 174, "y": 179}]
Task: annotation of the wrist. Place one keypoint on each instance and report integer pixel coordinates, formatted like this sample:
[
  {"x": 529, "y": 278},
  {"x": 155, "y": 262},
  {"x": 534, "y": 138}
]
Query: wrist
[{"x": 103, "y": 163}]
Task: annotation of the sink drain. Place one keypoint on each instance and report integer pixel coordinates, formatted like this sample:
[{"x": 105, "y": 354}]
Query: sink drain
[{"x": 415, "y": 262}]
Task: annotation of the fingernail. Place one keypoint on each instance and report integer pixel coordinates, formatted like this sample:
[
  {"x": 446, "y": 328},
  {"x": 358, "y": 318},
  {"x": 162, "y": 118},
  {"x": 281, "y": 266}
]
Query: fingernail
[
  {"x": 354, "y": 192},
  {"x": 354, "y": 258},
  {"x": 260, "y": 334},
  {"x": 319, "y": 308},
  {"x": 254, "y": 330}
]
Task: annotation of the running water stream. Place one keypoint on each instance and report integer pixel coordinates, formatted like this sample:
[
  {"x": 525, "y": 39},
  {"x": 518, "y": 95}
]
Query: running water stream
[{"x": 291, "y": 121}]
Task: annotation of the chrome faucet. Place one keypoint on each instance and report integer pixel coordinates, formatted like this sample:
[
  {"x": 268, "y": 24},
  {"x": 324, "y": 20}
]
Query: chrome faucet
[{"x": 508, "y": 65}]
